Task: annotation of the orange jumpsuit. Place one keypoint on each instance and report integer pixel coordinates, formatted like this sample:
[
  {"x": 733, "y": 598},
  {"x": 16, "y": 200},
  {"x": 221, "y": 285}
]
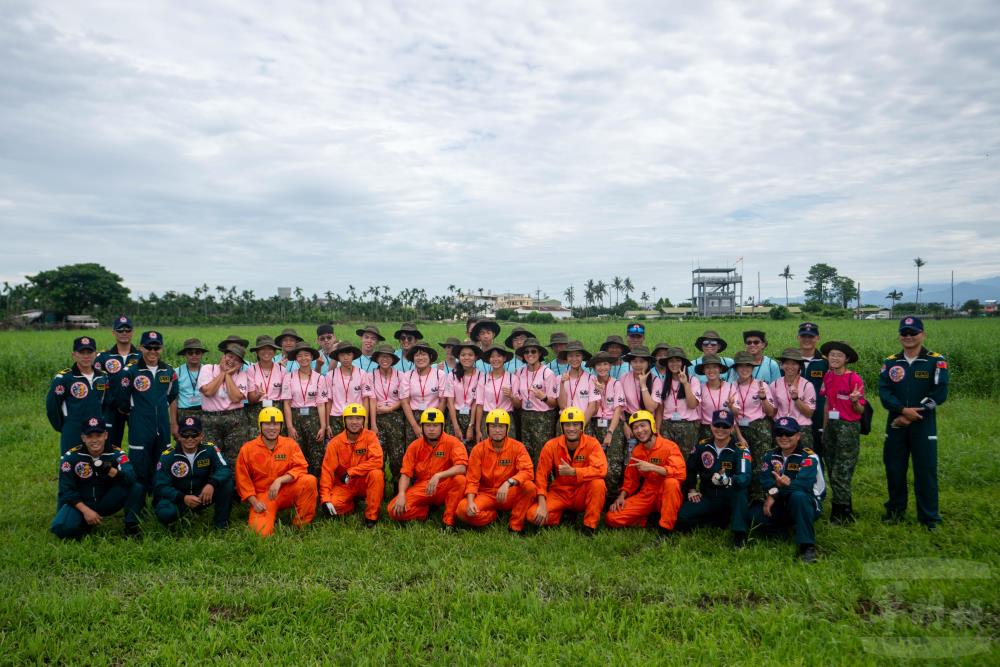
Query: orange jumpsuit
[
  {"x": 488, "y": 470},
  {"x": 362, "y": 461},
  {"x": 256, "y": 469},
  {"x": 658, "y": 493},
  {"x": 582, "y": 492},
  {"x": 420, "y": 463}
]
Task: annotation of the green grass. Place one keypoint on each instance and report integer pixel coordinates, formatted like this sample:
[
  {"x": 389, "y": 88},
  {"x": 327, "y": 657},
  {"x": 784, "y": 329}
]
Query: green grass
[{"x": 412, "y": 595}]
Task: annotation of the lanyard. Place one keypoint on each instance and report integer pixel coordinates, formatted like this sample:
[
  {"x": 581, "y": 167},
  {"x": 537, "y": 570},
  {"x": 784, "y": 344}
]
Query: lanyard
[
  {"x": 387, "y": 385},
  {"x": 267, "y": 381},
  {"x": 708, "y": 388},
  {"x": 531, "y": 381},
  {"x": 423, "y": 383},
  {"x": 465, "y": 388},
  {"x": 349, "y": 378},
  {"x": 788, "y": 397},
  {"x": 193, "y": 381},
  {"x": 743, "y": 396},
  {"x": 298, "y": 378},
  {"x": 574, "y": 387},
  {"x": 671, "y": 392},
  {"x": 496, "y": 393}
]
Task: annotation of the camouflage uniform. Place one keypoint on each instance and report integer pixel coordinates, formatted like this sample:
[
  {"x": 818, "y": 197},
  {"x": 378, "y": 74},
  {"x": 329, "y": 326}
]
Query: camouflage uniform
[
  {"x": 228, "y": 430},
  {"x": 842, "y": 444},
  {"x": 306, "y": 427},
  {"x": 511, "y": 432},
  {"x": 537, "y": 428},
  {"x": 463, "y": 423},
  {"x": 760, "y": 439},
  {"x": 392, "y": 435},
  {"x": 684, "y": 433},
  {"x": 615, "y": 453},
  {"x": 336, "y": 425},
  {"x": 184, "y": 413}
]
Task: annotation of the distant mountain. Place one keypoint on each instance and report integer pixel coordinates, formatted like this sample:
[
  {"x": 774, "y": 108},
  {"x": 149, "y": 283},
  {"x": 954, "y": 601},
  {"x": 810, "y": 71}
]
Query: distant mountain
[{"x": 983, "y": 289}]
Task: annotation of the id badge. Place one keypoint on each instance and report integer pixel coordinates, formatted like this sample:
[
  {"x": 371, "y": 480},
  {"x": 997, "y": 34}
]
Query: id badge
[
  {"x": 744, "y": 421},
  {"x": 834, "y": 414},
  {"x": 267, "y": 403},
  {"x": 675, "y": 417},
  {"x": 603, "y": 423},
  {"x": 463, "y": 411},
  {"x": 527, "y": 404},
  {"x": 421, "y": 405},
  {"x": 303, "y": 411}
]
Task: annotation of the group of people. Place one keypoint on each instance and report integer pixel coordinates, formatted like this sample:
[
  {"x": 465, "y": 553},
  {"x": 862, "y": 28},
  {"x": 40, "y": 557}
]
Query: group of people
[{"x": 522, "y": 427}]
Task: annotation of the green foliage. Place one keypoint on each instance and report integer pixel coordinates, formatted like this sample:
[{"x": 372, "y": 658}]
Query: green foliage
[
  {"x": 972, "y": 307},
  {"x": 77, "y": 288},
  {"x": 820, "y": 279},
  {"x": 779, "y": 313}
]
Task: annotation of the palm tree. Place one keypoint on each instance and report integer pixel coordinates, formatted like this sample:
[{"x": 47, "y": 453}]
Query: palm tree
[
  {"x": 601, "y": 291},
  {"x": 569, "y": 294},
  {"x": 589, "y": 292},
  {"x": 617, "y": 284},
  {"x": 645, "y": 300},
  {"x": 918, "y": 262},
  {"x": 787, "y": 275},
  {"x": 893, "y": 296},
  {"x": 628, "y": 287}
]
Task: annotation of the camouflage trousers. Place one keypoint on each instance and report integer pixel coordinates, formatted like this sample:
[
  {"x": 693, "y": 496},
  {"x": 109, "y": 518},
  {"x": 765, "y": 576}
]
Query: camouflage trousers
[
  {"x": 684, "y": 433},
  {"x": 537, "y": 428},
  {"x": 314, "y": 450},
  {"x": 842, "y": 444},
  {"x": 227, "y": 430},
  {"x": 182, "y": 413},
  {"x": 806, "y": 438},
  {"x": 760, "y": 439},
  {"x": 336, "y": 425},
  {"x": 615, "y": 452},
  {"x": 511, "y": 432},
  {"x": 393, "y": 432},
  {"x": 463, "y": 425}
]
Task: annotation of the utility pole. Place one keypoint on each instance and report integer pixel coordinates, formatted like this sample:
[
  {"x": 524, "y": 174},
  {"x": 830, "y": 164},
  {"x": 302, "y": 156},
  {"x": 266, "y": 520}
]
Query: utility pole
[
  {"x": 538, "y": 296},
  {"x": 952, "y": 292}
]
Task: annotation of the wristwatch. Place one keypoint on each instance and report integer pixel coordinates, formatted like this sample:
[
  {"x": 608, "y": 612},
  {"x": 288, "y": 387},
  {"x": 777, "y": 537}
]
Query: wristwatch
[
  {"x": 512, "y": 482},
  {"x": 773, "y": 491}
]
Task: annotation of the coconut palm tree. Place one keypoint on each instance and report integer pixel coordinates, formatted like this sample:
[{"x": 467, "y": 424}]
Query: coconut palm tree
[
  {"x": 893, "y": 296},
  {"x": 918, "y": 262},
  {"x": 787, "y": 275}
]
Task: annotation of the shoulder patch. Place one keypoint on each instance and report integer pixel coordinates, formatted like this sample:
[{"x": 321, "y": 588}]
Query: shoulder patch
[
  {"x": 934, "y": 354},
  {"x": 891, "y": 357},
  {"x": 740, "y": 445},
  {"x": 807, "y": 451},
  {"x": 705, "y": 441},
  {"x": 74, "y": 449},
  {"x": 168, "y": 450}
]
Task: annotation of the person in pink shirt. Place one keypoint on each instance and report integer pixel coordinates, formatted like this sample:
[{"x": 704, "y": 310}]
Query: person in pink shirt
[
  {"x": 346, "y": 383},
  {"x": 607, "y": 423},
  {"x": 536, "y": 395},
  {"x": 577, "y": 386},
  {"x": 496, "y": 387},
  {"x": 268, "y": 381},
  {"x": 753, "y": 405},
  {"x": 794, "y": 396},
  {"x": 715, "y": 391},
  {"x": 679, "y": 401},
  {"x": 224, "y": 387},
  {"x": 640, "y": 386},
  {"x": 463, "y": 407},
  {"x": 844, "y": 391},
  {"x": 385, "y": 412},
  {"x": 424, "y": 386},
  {"x": 306, "y": 407}
]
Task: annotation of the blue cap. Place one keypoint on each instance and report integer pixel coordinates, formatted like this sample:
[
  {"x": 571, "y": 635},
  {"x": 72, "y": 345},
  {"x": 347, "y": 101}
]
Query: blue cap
[
  {"x": 786, "y": 426},
  {"x": 189, "y": 424},
  {"x": 94, "y": 424},
  {"x": 635, "y": 329},
  {"x": 911, "y": 323},
  {"x": 84, "y": 343},
  {"x": 808, "y": 329},
  {"x": 122, "y": 322},
  {"x": 151, "y": 338},
  {"x": 722, "y": 418}
]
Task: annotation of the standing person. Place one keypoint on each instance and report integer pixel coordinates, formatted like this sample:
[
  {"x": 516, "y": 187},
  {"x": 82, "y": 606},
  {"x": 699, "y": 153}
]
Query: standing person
[
  {"x": 353, "y": 468},
  {"x": 424, "y": 387},
  {"x": 710, "y": 343},
  {"x": 407, "y": 335},
  {"x": 577, "y": 387},
  {"x": 267, "y": 382},
  {"x": 659, "y": 368},
  {"x": 813, "y": 370},
  {"x": 558, "y": 341},
  {"x": 607, "y": 424},
  {"x": 370, "y": 337},
  {"x": 326, "y": 341},
  {"x": 716, "y": 392},
  {"x": 484, "y": 332},
  {"x": 346, "y": 382},
  {"x": 450, "y": 362},
  {"x": 113, "y": 361},
  {"x": 500, "y": 478},
  {"x": 191, "y": 476},
  {"x": 635, "y": 334},
  {"x": 845, "y": 403},
  {"x": 385, "y": 413},
  {"x": 614, "y": 346},
  {"x": 496, "y": 387},
  {"x": 536, "y": 395},
  {"x": 463, "y": 406},
  {"x": 752, "y": 404},
  {"x": 639, "y": 386},
  {"x": 765, "y": 368},
  {"x": 794, "y": 396},
  {"x": 233, "y": 339},
  {"x": 77, "y": 393},
  {"x": 224, "y": 388},
  {"x": 679, "y": 401},
  {"x": 188, "y": 396},
  {"x": 653, "y": 480},
  {"x": 570, "y": 476},
  {"x": 912, "y": 384},
  {"x": 514, "y": 341},
  {"x": 148, "y": 396},
  {"x": 433, "y": 473},
  {"x": 305, "y": 409},
  {"x": 272, "y": 475},
  {"x": 287, "y": 339}
]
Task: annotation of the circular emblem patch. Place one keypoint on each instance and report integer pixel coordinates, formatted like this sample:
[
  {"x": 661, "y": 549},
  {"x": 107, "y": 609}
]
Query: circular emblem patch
[
  {"x": 83, "y": 470},
  {"x": 141, "y": 383},
  {"x": 897, "y": 373},
  {"x": 85, "y": 341},
  {"x": 60, "y": 390},
  {"x": 707, "y": 460},
  {"x": 189, "y": 421},
  {"x": 179, "y": 469},
  {"x": 112, "y": 366},
  {"x": 66, "y": 467},
  {"x": 79, "y": 390}
]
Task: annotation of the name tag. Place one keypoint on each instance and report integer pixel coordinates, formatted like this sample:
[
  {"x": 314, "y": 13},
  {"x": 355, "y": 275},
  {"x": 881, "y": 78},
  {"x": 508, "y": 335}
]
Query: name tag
[
  {"x": 421, "y": 405},
  {"x": 267, "y": 403},
  {"x": 303, "y": 411},
  {"x": 463, "y": 411},
  {"x": 833, "y": 414},
  {"x": 675, "y": 417},
  {"x": 527, "y": 404},
  {"x": 744, "y": 421},
  {"x": 603, "y": 423}
]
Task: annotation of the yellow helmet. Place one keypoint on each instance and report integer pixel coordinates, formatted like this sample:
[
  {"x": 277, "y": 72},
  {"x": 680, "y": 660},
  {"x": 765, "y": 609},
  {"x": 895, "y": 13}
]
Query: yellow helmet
[
  {"x": 271, "y": 415},
  {"x": 498, "y": 416},
  {"x": 355, "y": 410},
  {"x": 571, "y": 414},
  {"x": 432, "y": 416},
  {"x": 642, "y": 415}
]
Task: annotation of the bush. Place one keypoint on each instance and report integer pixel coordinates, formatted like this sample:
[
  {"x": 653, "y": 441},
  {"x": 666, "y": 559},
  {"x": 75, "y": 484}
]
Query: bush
[{"x": 779, "y": 313}]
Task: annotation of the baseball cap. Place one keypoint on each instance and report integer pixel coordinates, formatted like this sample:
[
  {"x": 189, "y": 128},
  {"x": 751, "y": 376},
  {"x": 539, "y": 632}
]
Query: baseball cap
[
  {"x": 151, "y": 339},
  {"x": 722, "y": 418},
  {"x": 189, "y": 425},
  {"x": 786, "y": 426},
  {"x": 635, "y": 329},
  {"x": 808, "y": 329},
  {"x": 94, "y": 424},
  {"x": 84, "y": 343},
  {"x": 911, "y": 323},
  {"x": 122, "y": 322}
]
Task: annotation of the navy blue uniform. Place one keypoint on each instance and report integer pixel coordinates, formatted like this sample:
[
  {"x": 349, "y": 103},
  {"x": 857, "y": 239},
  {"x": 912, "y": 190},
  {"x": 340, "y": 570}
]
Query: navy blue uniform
[
  {"x": 797, "y": 505},
  {"x": 813, "y": 372},
  {"x": 87, "y": 479},
  {"x": 177, "y": 476},
  {"x": 724, "y": 499},
  {"x": 114, "y": 365},
  {"x": 71, "y": 399}
]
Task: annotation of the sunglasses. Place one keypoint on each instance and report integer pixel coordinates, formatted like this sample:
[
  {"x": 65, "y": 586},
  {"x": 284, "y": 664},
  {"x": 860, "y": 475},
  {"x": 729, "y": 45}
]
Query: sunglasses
[
  {"x": 123, "y": 331},
  {"x": 187, "y": 435},
  {"x": 531, "y": 351},
  {"x": 909, "y": 332},
  {"x": 407, "y": 337},
  {"x": 709, "y": 342},
  {"x": 153, "y": 348},
  {"x": 754, "y": 342}
]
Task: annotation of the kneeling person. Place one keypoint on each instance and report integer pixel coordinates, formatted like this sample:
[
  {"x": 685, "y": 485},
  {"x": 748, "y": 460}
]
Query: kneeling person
[
  {"x": 658, "y": 466},
  {"x": 272, "y": 475},
  {"x": 352, "y": 468},
  {"x": 191, "y": 477},
  {"x": 499, "y": 478},
  {"x": 433, "y": 472}
]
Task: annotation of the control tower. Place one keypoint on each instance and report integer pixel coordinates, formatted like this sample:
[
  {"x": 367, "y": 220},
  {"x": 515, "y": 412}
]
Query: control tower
[{"x": 714, "y": 291}]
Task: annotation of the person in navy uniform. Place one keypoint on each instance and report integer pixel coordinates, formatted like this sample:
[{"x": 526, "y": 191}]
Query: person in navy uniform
[
  {"x": 114, "y": 361},
  {"x": 813, "y": 371},
  {"x": 76, "y": 393},
  {"x": 95, "y": 482}
]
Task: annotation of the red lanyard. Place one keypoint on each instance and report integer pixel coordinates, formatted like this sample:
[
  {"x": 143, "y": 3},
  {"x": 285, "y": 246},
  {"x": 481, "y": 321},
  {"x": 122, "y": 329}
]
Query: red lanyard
[
  {"x": 743, "y": 396},
  {"x": 423, "y": 383},
  {"x": 496, "y": 394},
  {"x": 671, "y": 392},
  {"x": 716, "y": 403},
  {"x": 267, "y": 383},
  {"x": 788, "y": 397},
  {"x": 531, "y": 381},
  {"x": 465, "y": 389},
  {"x": 298, "y": 378},
  {"x": 348, "y": 383},
  {"x": 387, "y": 385},
  {"x": 574, "y": 387}
]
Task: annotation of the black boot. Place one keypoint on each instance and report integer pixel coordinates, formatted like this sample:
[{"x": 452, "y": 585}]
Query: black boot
[
  {"x": 841, "y": 515},
  {"x": 739, "y": 539},
  {"x": 807, "y": 553}
]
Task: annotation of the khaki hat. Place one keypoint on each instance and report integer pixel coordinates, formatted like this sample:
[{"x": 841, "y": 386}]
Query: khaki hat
[
  {"x": 372, "y": 329},
  {"x": 674, "y": 353},
  {"x": 466, "y": 345},
  {"x": 385, "y": 349},
  {"x": 558, "y": 338},
  {"x": 517, "y": 331},
  {"x": 507, "y": 354},
  {"x": 574, "y": 346},
  {"x": 613, "y": 340},
  {"x": 638, "y": 352},
  {"x": 532, "y": 343},
  {"x": 193, "y": 344},
  {"x": 345, "y": 346},
  {"x": 710, "y": 335},
  {"x": 484, "y": 324},
  {"x": 264, "y": 341},
  {"x": 408, "y": 328},
  {"x": 238, "y": 350},
  {"x": 602, "y": 356},
  {"x": 303, "y": 346},
  {"x": 288, "y": 332},
  {"x": 743, "y": 358},
  {"x": 792, "y": 354},
  {"x": 709, "y": 360},
  {"x": 450, "y": 341},
  {"x": 231, "y": 339},
  {"x": 416, "y": 347}
]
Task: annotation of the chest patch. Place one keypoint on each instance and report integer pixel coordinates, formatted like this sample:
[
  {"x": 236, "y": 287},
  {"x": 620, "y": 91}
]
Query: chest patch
[
  {"x": 727, "y": 465},
  {"x": 202, "y": 463},
  {"x": 922, "y": 375},
  {"x": 579, "y": 458},
  {"x": 707, "y": 460},
  {"x": 439, "y": 455},
  {"x": 65, "y": 467},
  {"x": 180, "y": 469},
  {"x": 280, "y": 457},
  {"x": 164, "y": 379},
  {"x": 505, "y": 462},
  {"x": 656, "y": 461},
  {"x": 815, "y": 374},
  {"x": 793, "y": 467},
  {"x": 897, "y": 373},
  {"x": 112, "y": 366},
  {"x": 141, "y": 383},
  {"x": 83, "y": 470},
  {"x": 79, "y": 390},
  {"x": 361, "y": 452}
]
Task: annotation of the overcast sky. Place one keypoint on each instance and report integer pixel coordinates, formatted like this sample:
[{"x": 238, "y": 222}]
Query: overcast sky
[{"x": 499, "y": 145}]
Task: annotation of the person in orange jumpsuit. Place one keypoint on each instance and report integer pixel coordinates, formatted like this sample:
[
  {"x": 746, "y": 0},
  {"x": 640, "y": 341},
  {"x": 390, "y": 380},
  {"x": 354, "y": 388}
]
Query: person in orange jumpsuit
[
  {"x": 500, "y": 477},
  {"x": 272, "y": 475},
  {"x": 433, "y": 473},
  {"x": 570, "y": 475},
  {"x": 352, "y": 468},
  {"x": 658, "y": 466}
]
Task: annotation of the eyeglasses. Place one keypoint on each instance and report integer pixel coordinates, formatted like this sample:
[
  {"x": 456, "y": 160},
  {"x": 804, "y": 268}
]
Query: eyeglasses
[
  {"x": 188, "y": 435},
  {"x": 713, "y": 343},
  {"x": 530, "y": 351},
  {"x": 407, "y": 337}
]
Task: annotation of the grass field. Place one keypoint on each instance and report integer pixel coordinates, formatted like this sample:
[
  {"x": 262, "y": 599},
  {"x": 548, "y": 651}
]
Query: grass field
[{"x": 336, "y": 593}]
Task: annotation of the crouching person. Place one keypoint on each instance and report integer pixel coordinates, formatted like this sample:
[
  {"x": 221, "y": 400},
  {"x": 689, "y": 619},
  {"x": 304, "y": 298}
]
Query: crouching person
[
  {"x": 192, "y": 476},
  {"x": 353, "y": 468},
  {"x": 499, "y": 477},
  {"x": 272, "y": 475}
]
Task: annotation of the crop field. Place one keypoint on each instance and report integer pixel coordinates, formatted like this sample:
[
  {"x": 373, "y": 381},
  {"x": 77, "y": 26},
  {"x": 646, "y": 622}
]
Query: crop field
[{"x": 336, "y": 593}]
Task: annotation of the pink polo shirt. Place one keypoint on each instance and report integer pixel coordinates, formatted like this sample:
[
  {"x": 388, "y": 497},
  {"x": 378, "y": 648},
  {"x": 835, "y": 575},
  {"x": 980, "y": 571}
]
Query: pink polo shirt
[
  {"x": 633, "y": 392},
  {"x": 490, "y": 392},
  {"x": 425, "y": 391},
  {"x": 384, "y": 391},
  {"x": 345, "y": 388},
  {"x": 786, "y": 406},
  {"x": 220, "y": 401},
  {"x": 675, "y": 408},
  {"x": 610, "y": 398},
  {"x": 542, "y": 378},
  {"x": 580, "y": 391},
  {"x": 837, "y": 389},
  {"x": 308, "y": 394},
  {"x": 466, "y": 390},
  {"x": 273, "y": 384},
  {"x": 746, "y": 399},
  {"x": 713, "y": 399}
]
